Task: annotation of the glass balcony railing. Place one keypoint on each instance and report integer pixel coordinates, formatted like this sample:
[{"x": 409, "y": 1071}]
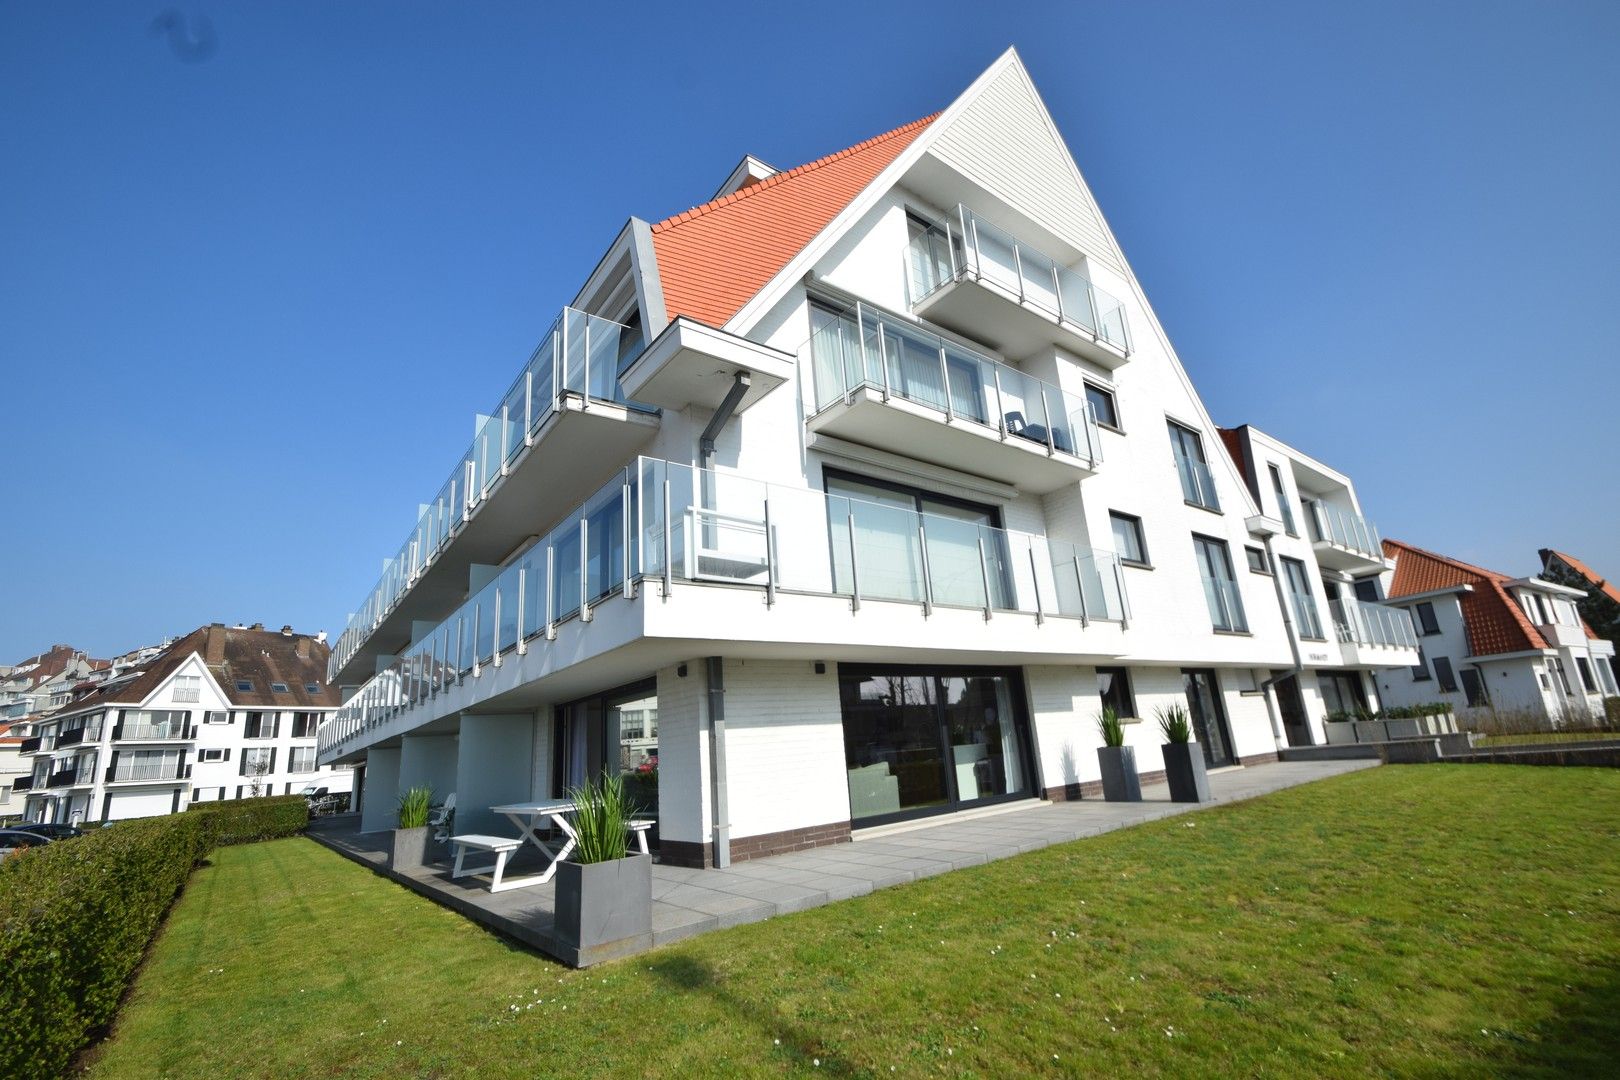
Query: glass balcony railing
[
  {"x": 1343, "y": 529},
  {"x": 873, "y": 349},
  {"x": 580, "y": 355},
  {"x": 1197, "y": 483},
  {"x": 133, "y": 732},
  {"x": 662, "y": 520},
  {"x": 146, "y": 770},
  {"x": 969, "y": 247},
  {"x": 1360, "y": 623}
]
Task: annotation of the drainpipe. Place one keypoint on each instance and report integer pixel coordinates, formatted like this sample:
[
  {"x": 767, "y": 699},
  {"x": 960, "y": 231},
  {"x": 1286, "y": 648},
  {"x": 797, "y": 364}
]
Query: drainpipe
[
  {"x": 1264, "y": 528},
  {"x": 717, "y": 760},
  {"x": 716, "y": 678}
]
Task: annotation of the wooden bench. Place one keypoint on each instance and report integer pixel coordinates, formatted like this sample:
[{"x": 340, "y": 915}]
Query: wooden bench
[
  {"x": 501, "y": 846},
  {"x": 639, "y": 827}
]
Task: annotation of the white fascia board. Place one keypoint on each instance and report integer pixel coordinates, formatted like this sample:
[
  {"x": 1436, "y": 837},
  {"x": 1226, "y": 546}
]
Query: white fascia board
[
  {"x": 1412, "y": 598},
  {"x": 1542, "y": 585},
  {"x": 1299, "y": 457},
  {"x": 1524, "y": 654}
]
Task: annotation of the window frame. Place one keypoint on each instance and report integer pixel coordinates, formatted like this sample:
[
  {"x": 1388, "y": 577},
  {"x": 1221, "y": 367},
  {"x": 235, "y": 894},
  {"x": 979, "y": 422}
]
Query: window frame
[
  {"x": 1423, "y": 624},
  {"x": 223, "y": 754},
  {"x": 1420, "y": 670},
  {"x": 1179, "y": 434},
  {"x": 1583, "y": 668},
  {"x": 1109, "y": 394},
  {"x": 1202, "y": 544},
  {"x": 1445, "y": 676},
  {"x": 187, "y": 689},
  {"x": 1249, "y": 550},
  {"x": 1284, "y": 509},
  {"x": 1121, "y": 682},
  {"x": 1300, "y": 594},
  {"x": 1135, "y": 523}
]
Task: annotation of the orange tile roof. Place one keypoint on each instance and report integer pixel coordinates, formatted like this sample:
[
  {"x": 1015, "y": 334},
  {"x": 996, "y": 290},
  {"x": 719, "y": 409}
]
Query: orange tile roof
[
  {"x": 1494, "y": 620},
  {"x": 1607, "y": 587},
  {"x": 713, "y": 259}
]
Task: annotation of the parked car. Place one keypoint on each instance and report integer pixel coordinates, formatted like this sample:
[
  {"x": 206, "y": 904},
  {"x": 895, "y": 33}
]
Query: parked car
[
  {"x": 52, "y": 830},
  {"x": 16, "y": 839}
]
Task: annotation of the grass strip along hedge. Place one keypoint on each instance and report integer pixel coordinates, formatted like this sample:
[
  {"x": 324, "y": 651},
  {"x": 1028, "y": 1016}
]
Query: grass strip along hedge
[{"x": 76, "y": 917}]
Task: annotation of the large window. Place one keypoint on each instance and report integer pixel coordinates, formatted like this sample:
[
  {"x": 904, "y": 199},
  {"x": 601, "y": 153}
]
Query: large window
[
  {"x": 613, "y": 732},
  {"x": 154, "y": 724},
  {"x": 1474, "y": 687},
  {"x": 187, "y": 687},
  {"x": 1342, "y": 693},
  {"x": 927, "y": 739},
  {"x": 260, "y": 725},
  {"x": 1585, "y": 669},
  {"x": 1197, "y": 484},
  {"x": 1427, "y": 623},
  {"x": 1285, "y": 506},
  {"x": 1444, "y": 676},
  {"x": 1306, "y": 616},
  {"x": 258, "y": 760},
  {"x": 1129, "y": 544},
  {"x": 301, "y": 759},
  {"x": 1420, "y": 670},
  {"x": 1114, "y": 687},
  {"x": 304, "y": 725},
  {"x": 890, "y": 524},
  {"x": 1220, "y": 584},
  {"x": 147, "y": 765}
]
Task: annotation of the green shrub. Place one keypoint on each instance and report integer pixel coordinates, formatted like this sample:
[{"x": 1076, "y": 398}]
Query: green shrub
[
  {"x": 75, "y": 919},
  {"x": 243, "y": 821}
]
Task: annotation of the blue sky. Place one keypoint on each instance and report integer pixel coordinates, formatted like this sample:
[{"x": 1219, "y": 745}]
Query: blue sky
[{"x": 250, "y": 304}]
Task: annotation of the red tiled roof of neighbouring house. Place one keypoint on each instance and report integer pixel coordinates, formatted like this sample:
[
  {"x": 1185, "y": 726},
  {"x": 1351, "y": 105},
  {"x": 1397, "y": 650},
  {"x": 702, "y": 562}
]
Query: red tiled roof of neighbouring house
[
  {"x": 1608, "y": 588},
  {"x": 1494, "y": 620},
  {"x": 713, "y": 259}
]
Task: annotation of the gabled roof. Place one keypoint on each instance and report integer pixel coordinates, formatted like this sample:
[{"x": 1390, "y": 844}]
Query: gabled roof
[
  {"x": 1494, "y": 620},
  {"x": 258, "y": 656},
  {"x": 713, "y": 258}
]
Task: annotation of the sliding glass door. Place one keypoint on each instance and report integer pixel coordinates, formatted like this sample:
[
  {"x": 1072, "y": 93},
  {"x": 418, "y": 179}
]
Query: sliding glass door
[{"x": 927, "y": 740}]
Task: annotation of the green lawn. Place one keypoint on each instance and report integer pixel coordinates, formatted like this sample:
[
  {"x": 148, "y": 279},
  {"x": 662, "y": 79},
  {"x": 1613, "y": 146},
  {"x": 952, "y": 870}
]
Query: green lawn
[{"x": 1418, "y": 921}]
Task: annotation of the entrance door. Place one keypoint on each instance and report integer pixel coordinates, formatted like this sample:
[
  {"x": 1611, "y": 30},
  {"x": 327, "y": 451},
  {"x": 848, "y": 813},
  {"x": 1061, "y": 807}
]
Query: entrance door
[
  {"x": 1292, "y": 706},
  {"x": 1208, "y": 717}
]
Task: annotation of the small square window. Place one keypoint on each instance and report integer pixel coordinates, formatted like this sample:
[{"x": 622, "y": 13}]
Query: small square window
[
  {"x": 1257, "y": 560},
  {"x": 1129, "y": 544},
  {"x": 278, "y": 688},
  {"x": 245, "y": 685},
  {"x": 1102, "y": 403},
  {"x": 216, "y": 718}
]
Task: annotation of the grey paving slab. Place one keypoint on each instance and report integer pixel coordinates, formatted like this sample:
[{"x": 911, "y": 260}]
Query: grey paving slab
[{"x": 688, "y": 901}]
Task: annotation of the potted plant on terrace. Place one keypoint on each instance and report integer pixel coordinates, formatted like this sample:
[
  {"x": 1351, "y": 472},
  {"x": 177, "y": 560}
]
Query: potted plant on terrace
[
  {"x": 1120, "y": 780},
  {"x": 411, "y": 838},
  {"x": 1183, "y": 758},
  {"x": 604, "y": 896}
]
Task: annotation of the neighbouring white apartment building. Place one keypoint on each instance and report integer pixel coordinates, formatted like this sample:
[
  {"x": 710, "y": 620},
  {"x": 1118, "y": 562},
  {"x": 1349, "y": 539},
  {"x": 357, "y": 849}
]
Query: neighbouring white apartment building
[
  {"x": 1490, "y": 641},
  {"x": 221, "y": 713},
  {"x": 851, "y": 495},
  {"x": 1327, "y": 563}
]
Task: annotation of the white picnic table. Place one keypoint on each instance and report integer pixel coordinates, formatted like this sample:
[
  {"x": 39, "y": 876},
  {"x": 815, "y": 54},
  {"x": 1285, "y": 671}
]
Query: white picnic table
[{"x": 528, "y": 817}]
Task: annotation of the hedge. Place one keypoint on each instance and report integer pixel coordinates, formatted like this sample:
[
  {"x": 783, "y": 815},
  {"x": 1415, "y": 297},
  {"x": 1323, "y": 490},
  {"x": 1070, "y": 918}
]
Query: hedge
[{"x": 77, "y": 915}]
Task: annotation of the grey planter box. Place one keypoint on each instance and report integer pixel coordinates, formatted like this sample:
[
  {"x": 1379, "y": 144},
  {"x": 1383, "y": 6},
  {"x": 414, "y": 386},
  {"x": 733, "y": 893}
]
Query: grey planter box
[
  {"x": 410, "y": 848},
  {"x": 604, "y": 910},
  {"x": 1405, "y": 729},
  {"x": 1119, "y": 777},
  {"x": 1340, "y": 732},
  {"x": 1184, "y": 771}
]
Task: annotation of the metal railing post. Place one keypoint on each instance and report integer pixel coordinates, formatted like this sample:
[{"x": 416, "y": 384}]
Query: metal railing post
[
  {"x": 669, "y": 543},
  {"x": 854, "y": 560},
  {"x": 551, "y": 600},
  {"x": 528, "y": 405},
  {"x": 522, "y": 603},
  {"x": 770, "y": 558},
  {"x": 1035, "y": 582},
  {"x": 1046, "y": 410},
  {"x": 627, "y": 585},
  {"x": 1124, "y": 605},
  {"x": 945, "y": 383},
  {"x": 1080, "y": 583},
  {"x": 984, "y": 578},
  {"x": 927, "y": 582},
  {"x": 1001, "y": 403},
  {"x": 585, "y": 381},
  {"x": 584, "y": 568}
]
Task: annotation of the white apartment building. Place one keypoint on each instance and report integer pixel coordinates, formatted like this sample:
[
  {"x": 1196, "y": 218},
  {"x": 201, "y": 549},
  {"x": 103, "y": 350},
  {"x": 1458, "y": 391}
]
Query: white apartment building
[
  {"x": 1491, "y": 641},
  {"x": 222, "y": 713},
  {"x": 1326, "y": 562},
  {"x": 851, "y": 495}
]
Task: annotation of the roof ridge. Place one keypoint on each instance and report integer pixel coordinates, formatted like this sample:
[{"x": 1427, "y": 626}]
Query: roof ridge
[
  {"x": 1490, "y": 575},
  {"x": 777, "y": 179}
]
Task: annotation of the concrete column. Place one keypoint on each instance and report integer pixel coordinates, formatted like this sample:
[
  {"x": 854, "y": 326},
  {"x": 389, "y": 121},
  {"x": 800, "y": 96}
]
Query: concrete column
[
  {"x": 493, "y": 763},
  {"x": 382, "y": 790},
  {"x": 429, "y": 760}
]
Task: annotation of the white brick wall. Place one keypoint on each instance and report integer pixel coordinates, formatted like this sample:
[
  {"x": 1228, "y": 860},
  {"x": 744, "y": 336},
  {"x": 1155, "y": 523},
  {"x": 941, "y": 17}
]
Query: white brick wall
[{"x": 784, "y": 746}]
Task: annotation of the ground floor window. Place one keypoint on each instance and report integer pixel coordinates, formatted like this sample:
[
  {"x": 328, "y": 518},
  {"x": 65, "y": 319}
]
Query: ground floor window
[
  {"x": 924, "y": 740},
  {"x": 1342, "y": 693},
  {"x": 614, "y": 732}
]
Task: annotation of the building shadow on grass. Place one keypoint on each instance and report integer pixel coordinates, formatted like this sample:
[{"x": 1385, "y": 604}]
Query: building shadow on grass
[{"x": 692, "y": 976}]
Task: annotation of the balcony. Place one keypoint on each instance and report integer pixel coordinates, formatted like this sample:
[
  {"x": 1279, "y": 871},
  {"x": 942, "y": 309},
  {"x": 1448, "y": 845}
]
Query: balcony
[
  {"x": 567, "y": 397},
  {"x": 671, "y": 523},
  {"x": 142, "y": 772},
  {"x": 153, "y": 733},
  {"x": 63, "y": 778},
  {"x": 1372, "y": 635},
  {"x": 888, "y": 383},
  {"x": 975, "y": 278},
  {"x": 1343, "y": 540},
  {"x": 30, "y": 745},
  {"x": 23, "y": 783},
  {"x": 1563, "y": 635},
  {"x": 70, "y": 738}
]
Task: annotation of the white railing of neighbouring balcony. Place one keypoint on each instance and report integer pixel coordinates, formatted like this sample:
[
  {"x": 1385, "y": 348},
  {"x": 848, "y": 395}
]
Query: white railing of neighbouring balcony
[
  {"x": 665, "y": 522},
  {"x": 580, "y": 355},
  {"x": 1360, "y": 623},
  {"x": 1344, "y": 529},
  {"x": 968, "y": 247}
]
